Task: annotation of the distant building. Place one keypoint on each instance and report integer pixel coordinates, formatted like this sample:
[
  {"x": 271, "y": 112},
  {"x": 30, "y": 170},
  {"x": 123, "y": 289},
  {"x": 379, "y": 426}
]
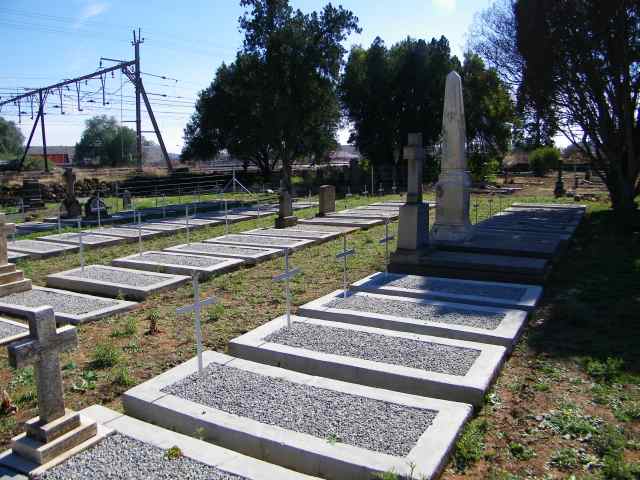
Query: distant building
[{"x": 56, "y": 154}]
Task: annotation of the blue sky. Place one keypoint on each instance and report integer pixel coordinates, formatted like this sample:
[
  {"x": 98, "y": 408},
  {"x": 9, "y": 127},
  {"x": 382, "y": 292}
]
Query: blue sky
[{"x": 44, "y": 41}]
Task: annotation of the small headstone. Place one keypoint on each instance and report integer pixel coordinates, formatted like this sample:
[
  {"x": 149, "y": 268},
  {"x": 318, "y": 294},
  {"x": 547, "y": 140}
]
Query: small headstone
[
  {"x": 559, "y": 190},
  {"x": 327, "y": 199},
  {"x": 126, "y": 200},
  {"x": 11, "y": 279},
  {"x": 95, "y": 207},
  {"x": 285, "y": 211}
]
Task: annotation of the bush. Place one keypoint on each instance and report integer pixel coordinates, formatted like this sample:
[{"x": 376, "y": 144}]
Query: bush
[
  {"x": 541, "y": 160},
  {"x": 105, "y": 355}
]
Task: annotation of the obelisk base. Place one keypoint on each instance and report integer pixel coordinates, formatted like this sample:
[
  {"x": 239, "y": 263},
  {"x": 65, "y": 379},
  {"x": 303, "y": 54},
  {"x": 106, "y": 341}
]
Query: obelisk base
[
  {"x": 452, "y": 213},
  {"x": 413, "y": 226}
]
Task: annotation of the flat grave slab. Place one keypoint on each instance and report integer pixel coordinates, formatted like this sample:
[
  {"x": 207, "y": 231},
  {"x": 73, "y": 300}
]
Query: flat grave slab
[
  {"x": 314, "y": 425},
  {"x": 301, "y": 205},
  {"x": 69, "y": 307},
  {"x": 559, "y": 206},
  {"x": 25, "y": 228},
  {"x": 292, "y": 232},
  {"x": 516, "y": 233},
  {"x": 157, "y": 227},
  {"x": 261, "y": 241},
  {"x": 128, "y": 234},
  {"x": 531, "y": 227},
  {"x": 249, "y": 254},
  {"x": 366, "y": 214},
  {"x": 326, "y": 228},
  {"x": 525, "y": 245},
  {"x": 231, "y": 217},
  {"x": 179, "y": 263},
  {"x": 11, "y": 331},
  {"x": 113, "y": 281},
  {"x": 38, "y": 249},
  {"x": 256, "y": 213},
  {"x": 194, "y": 223},
  {"x": 13, "y": 257},
  {"x": 474, "y": 323},
  {"x": 490, "y": 294},
  {"x": 343, "y": 222},
  {"x": 138, "y": 450},
  {"x": 405, "y": 362},
  {"x": 89, "y": 240}
]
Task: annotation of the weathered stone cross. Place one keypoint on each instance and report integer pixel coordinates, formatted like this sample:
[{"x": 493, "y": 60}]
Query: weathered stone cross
[
  {"x": 5, "y": 230},
  {"x": 42, "y": 349}
]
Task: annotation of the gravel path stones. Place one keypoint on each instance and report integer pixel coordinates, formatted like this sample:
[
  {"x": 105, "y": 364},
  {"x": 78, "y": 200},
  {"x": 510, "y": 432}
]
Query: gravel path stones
[
  {"x": 419, "y": 311},
  {"x": 363, "y": 422},
  {"x": 120, "y": 457},
  {"x": 378, "y": 348}
]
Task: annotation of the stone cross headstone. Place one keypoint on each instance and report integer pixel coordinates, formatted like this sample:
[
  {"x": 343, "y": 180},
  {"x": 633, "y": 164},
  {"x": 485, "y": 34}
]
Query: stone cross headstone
[
  {"x": 453, "y": 188},
  {"x": 285, "y": 277},
  {"x": 285, "y": 210},
  {"x": 413, "y": 227},
  {"x": 196, "y": 308},
  {"x": 71, "y": 205},
  {"x": 343, "y": 255},
  {"x": 70, "y": 182},
  {"x": 326, "y": 200},
  {"x": 11, "y": 279}
]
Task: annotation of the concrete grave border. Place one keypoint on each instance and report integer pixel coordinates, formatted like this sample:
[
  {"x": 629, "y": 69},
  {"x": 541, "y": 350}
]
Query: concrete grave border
[
  {"x": 60, "y": 249},
  {"x": 75, "y": 319},
  {"x": 375, "y": 283},
  {"x": 67, "y": 281},
  {"x": 146, "y": 234},
  {"x": 13, "y": 257},
  {"x": 18, "y": 336},
  {"x": 297, "y": 245},
  {"x": 469, "y": 388},
  {"x": 261, "y": 255},
  {"x": 107, "y": 242},
  {"x": 506, "y": 334},
  {"x": 162, "y": 228},
  {"x": 136, "y": 263},
  {"x": 316, "y": 236},
  {"x": 343, "y": 222},
  {"x": 290, "y": 449}
]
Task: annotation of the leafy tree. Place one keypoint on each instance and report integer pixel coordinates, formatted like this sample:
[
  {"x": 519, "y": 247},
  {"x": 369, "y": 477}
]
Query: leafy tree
[
  {"x": 11, "y": 139},
  {"x": 584, "y": 57},
  {"x": 103, "y": 138},
  {"x": 544, "y": 159},
  {"x": 287, "y": 73}
]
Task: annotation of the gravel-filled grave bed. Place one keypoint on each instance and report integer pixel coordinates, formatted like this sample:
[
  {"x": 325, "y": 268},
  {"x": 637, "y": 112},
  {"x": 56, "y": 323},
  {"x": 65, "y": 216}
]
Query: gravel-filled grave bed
[
  {"x": 60, "y": 302},
  {"x": 359, "y": 421},
  {"x": 220, "y": 248},
  {"x": 177, "y": 259},
  {"x": 9, "y": 330},
  {"x": 87, "y": 238},
  {"x": 257, "y": 239},
  {"x": 125, "y": 277},
  {"x": 121, "y": 457},
  {"x": 36, "y": 246},
  {"x": 434, "y": 357},
  {"x": 418, "y": 311},
  {"x": 456, "y": 288}
]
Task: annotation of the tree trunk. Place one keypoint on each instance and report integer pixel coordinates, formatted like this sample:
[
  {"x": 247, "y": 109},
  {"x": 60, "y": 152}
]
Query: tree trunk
[{"x": 622, "y": 193}]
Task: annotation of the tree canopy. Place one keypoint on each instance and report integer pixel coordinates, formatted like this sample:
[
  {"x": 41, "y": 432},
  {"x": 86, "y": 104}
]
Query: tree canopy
[
  {"x": 583, "y": 57},
  {"x": 277, "y": 102},
  {"x": 11, "y": 139},
  {"x": 103, "y": 139}
]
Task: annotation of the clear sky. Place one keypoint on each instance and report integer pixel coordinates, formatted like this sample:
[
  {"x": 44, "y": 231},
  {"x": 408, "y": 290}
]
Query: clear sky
[{"x": 44, "y": 41}]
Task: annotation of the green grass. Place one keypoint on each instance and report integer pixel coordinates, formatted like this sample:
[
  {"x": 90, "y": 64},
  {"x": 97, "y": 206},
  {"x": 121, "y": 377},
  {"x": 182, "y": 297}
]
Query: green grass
[
  {"x": 470, "y": 447},
  {"x": 105, "y": 355}
]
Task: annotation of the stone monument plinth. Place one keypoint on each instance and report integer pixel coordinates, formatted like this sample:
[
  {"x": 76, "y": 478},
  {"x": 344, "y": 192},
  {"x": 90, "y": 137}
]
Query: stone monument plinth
[
  {"x": 11, "y": 279},
  {"x": 327, "y": 200}
]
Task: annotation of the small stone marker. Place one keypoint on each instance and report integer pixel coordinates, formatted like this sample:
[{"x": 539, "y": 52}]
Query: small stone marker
[
  {"x": 285, "y": 211},
  {"x": 286, "y": 276},
  {"x": 56, "y": 430},
  {"x": 385, "y": 241},
  {"x": 196, "y": 308},
  {"x": 11, "y": 279},
  {"x": 327, "y": 200},
  {"x": 343, "y": 255}
]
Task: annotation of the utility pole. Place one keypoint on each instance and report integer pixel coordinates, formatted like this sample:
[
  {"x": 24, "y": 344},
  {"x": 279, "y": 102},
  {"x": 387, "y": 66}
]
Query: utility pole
[
  {"x": 138, "y": 84},
  {"x": 44, "y": 135}
]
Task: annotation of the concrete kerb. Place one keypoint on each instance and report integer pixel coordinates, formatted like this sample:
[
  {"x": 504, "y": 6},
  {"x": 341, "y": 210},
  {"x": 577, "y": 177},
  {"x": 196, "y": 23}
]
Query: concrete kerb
[
  {"x": 68, "y": 281},
  {"x": 255, "y": 241},
  {"x": 506, "y": 334},
  {"x": 290, "y": 449},
  {"x": 468, "y": 388},
  {"x": 18, "y": 336},
  {"x": 198, "y": 450},
  {"x": 137, "y": 262},
  {"x": 198, "y": 248},
  {"x": 378, "y": 283},
  {"x": 63, "y": 317}
]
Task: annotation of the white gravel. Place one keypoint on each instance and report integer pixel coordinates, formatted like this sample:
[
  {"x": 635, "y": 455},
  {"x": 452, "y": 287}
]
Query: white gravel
[
  {"x": 60, "y": 302},
  {"x": 257, "y": 239},
  {"x": 125, "y": 277},
  {"x": 363, "y": 422},
  {"x": 36, "y": 245},
  {"x": 458, "y": 288},
  {"x": 119, "y": 457},
  {"x": 87, "y": 238},
  {"x": 9, "y": 330},
  {"x": 417, "y": 311},
  {"x": 429, "y": 356},
  {"x": 177, "y": 259},
  {"x": 221, "y": 248},
  {"x": 285, "y": 232}
]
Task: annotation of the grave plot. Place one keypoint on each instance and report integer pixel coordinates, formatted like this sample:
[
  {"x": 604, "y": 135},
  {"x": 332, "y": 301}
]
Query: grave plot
[
  {"x": 89, "y": 240},
  {"x": 179, "y": 263},
  {"x": 26, "y": 228},
  {"x": 491, "y": 294},
  {"x": 261, "y": 241},
  {"x": 166, "y": 228},
  {"x": 68, "y": 307},
  {"x": 11, "y": 331},
  {"x": 314, "y": 425},
  {"x": 13, "y": 257},
  {"x": 141, "y": 450},
  {"x": 194, "y": 223},
  {"x": 303, "y": 205},
  {"x": 496, "y": 326},
  {"x": 248, "y": 254},
  {"x": 128, "y": 234},
  {"x": 558, "y": 206},
  {"x": 252, "y": 213},
  {"x": 292, "y": 232},
  {"x": 231, "y": 217},
  {"x": 418, "y": 364},
  {"x": 343, "y": 222},
  {"x": 515, "y": 233},
  {"x": 519, "y": 245},
  {"x": 326, "y": 228},
  {"x": 113, "y": 281},
  {"x": 38, "y": 249},
  {"x": 385, "y": 215}
]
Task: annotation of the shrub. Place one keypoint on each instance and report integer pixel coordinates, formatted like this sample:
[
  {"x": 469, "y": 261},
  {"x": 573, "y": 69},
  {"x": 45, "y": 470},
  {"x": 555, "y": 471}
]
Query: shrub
[
  {"x": 541, "y": 160},
  {"x": 105, "y": 355}
]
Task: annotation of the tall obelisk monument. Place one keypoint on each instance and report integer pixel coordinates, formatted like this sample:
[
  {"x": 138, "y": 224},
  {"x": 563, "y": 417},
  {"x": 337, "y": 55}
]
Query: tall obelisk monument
[{"x": 452, "y": 191}]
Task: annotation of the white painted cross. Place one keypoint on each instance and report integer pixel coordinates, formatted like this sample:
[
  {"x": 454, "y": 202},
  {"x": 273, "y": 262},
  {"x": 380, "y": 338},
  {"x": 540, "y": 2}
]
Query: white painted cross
[
  {"x": 139, "y": 233},
  {"x": 186, "y": 217},
  {"x": 81, "y": 242},
  {"x": 385, "y": 241},
  {"x": 196, "y": 308},
  {"x": 286, "y": 276},
  {"x": 343, "y": 255},
  {"x": 226, "y": 218},
  {"x": 99, "y": 208}
]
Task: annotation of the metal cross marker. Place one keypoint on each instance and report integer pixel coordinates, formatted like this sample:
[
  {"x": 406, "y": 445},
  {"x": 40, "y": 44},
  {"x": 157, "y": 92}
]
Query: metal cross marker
[
  {"x": 385, "y": 241},
  {"x": 59, "y": 219},
  {"x": 196, "y": 308},
  {"x": 186, "y": 218},
  {"x": 164, "y": 205},
  {"x": 99, "y": 208},
  {"x": 80, "y": 241},
  {"x": 286, "y": 276},
  {"x": 139, "y": 234},
  {"x": 475, "y": 206},
  {"x": 226, "y": 218},
  {"x": 344, "y": 254}
]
